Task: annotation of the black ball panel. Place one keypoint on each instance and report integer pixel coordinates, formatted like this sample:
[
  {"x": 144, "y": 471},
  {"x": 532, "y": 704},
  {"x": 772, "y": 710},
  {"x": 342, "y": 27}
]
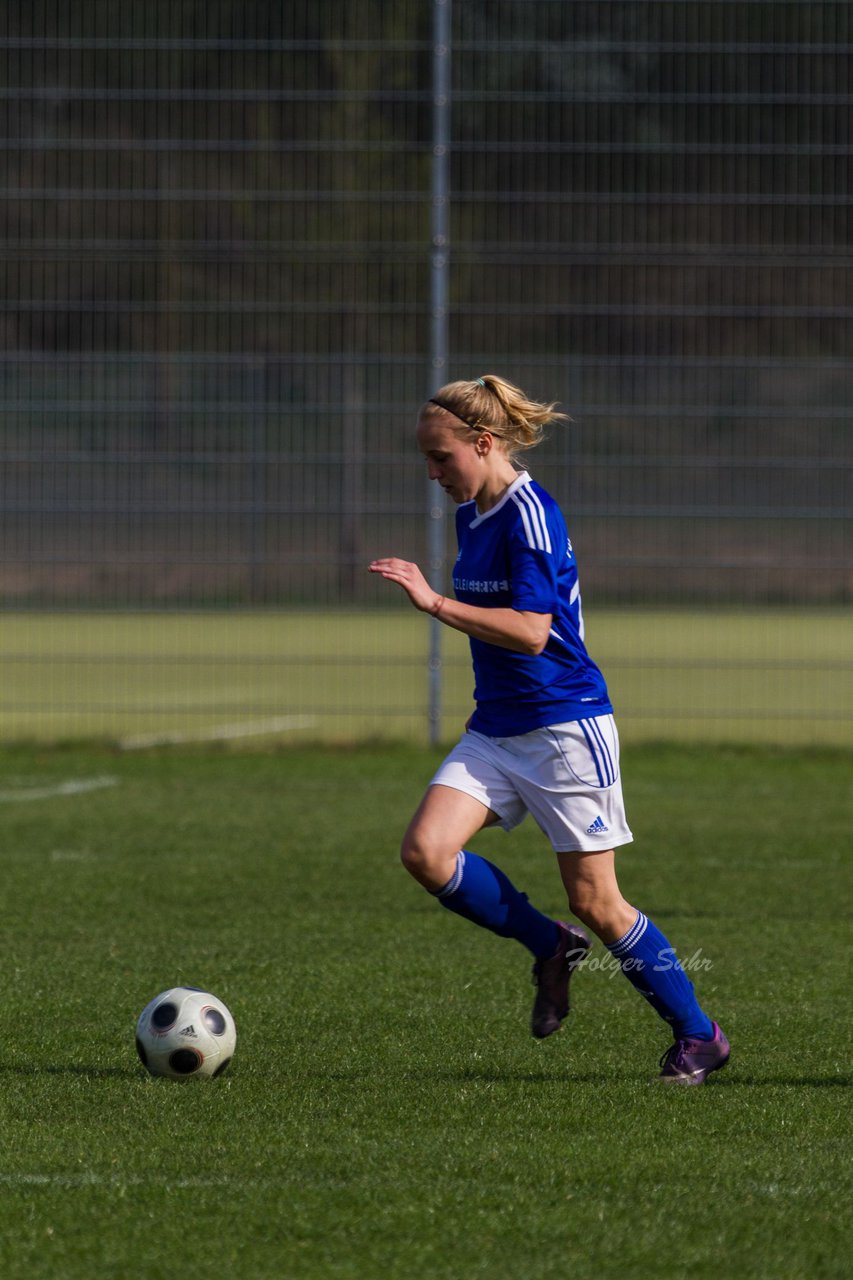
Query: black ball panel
[
  {"x": 164, "y": 1016},
  {"x": 222, "y": 1067},
  {"x": 185, "y": 1061},
  {"x": 140, "y": 1049}
]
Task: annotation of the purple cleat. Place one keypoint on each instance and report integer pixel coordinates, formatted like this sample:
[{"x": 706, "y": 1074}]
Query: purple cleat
[
  {"x": 551, "y": 976},
  {"x": 690, "y": 1061}
]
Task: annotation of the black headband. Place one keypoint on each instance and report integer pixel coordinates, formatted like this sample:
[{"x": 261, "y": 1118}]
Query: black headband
[{"x": 475, "y": 426}]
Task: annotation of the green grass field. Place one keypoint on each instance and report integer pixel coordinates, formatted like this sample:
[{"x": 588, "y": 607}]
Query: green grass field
[
  {"x": 387, "y": 1114},
  {"x": 763, "y": 676}
]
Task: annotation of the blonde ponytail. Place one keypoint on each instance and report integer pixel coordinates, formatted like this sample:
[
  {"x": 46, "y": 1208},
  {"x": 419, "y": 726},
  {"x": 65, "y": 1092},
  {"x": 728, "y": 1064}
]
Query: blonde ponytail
[{"x": 493, "y": 404}]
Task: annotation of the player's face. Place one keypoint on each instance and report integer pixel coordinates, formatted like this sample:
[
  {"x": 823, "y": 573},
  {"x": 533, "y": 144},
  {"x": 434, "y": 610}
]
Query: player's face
[{"x": 453, "y": 462}]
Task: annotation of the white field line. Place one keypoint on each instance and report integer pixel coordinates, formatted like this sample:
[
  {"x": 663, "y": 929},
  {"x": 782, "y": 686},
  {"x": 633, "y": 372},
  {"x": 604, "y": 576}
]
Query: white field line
[
  {"x": 71, "y": 787},
  {"x": 131, "y": 1180},
  {"x": 218, "y": 732},
  {"x": 117, "y": 1181},
  {"x": 182, "y": 1183}
]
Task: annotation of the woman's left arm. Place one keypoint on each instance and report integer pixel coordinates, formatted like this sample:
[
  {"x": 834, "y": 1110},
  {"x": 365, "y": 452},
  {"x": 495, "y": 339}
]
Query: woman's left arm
[{"x": 515, "y": 629}]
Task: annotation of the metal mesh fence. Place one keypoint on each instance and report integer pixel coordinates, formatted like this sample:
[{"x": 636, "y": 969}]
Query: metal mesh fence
[{"x": 217, "y": 316}]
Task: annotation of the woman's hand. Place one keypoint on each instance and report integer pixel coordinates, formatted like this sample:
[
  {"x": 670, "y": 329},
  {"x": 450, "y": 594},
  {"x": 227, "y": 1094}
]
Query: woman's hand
[
  {"x": 520, "y": 630},
  {"x": 409, "y": 577}
]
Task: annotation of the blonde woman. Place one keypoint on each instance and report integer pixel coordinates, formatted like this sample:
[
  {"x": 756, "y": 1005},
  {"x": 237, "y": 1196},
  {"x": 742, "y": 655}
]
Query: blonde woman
[{"x": 542, "y": 738}]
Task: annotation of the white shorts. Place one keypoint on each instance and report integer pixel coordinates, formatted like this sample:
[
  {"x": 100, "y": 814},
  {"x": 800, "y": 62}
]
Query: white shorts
[{"x": 565, "y": 775}]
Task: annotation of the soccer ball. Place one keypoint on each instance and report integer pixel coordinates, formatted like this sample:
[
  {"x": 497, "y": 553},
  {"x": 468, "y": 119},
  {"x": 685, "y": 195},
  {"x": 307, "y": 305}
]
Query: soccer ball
[{"x": 185, "y": 1032}]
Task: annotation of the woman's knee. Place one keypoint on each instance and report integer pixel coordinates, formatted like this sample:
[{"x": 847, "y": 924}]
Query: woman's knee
[
  {"x": 442, "y": 825},
  {"x": 589, "y": 910},
  {"x": 594, "y": 894},
  {"x": 413, "y": 854},
  {"x": 609, "y": 916},
  {"x": 427, "y": 858}
]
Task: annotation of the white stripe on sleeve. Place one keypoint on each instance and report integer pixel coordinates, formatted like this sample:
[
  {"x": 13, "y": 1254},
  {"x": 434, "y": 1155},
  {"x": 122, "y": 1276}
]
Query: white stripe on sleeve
[
  {"x": 525, "y": 520},
  {"x": 533, "y": 519},
  {"x": 533, "y": 500}
]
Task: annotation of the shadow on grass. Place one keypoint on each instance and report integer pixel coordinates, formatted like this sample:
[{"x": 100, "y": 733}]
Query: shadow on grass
[
  {"x": 474, "y": 1076},
  {"x": 468, "y": 1075},
  {"x": 785, "y": 1082},
  {"x": 70, "y": 1069},
  {"x": 602, "y": 1078},
  {"x": 464, "y": 1075}
]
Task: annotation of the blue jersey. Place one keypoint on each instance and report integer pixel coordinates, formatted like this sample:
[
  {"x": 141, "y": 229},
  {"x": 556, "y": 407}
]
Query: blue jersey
[{"x": 518, "y": 556}]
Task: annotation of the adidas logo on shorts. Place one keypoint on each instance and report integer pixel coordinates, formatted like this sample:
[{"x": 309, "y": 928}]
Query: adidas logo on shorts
[{"x": 598, "y": 828}]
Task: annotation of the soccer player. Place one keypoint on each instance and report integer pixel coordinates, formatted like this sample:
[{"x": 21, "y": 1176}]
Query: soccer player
[{"x": 542, "y": 738}]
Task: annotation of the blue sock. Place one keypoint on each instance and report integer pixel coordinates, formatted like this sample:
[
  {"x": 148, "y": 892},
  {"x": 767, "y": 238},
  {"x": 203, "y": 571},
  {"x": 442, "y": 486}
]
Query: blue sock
[
  {"x": 482, "y": 893},
  {"x": 650, "y": 964}
]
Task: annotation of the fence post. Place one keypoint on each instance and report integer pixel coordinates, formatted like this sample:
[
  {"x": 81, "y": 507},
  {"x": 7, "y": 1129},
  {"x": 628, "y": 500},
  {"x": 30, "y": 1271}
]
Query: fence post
[{"x": 440, "y": 263}]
